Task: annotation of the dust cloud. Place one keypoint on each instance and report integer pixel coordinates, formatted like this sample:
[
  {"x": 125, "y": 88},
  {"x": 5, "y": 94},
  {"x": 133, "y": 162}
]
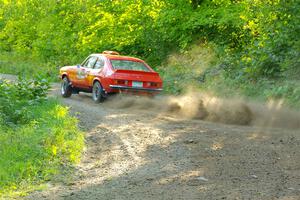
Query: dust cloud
[{"x": 199, "y": 106}]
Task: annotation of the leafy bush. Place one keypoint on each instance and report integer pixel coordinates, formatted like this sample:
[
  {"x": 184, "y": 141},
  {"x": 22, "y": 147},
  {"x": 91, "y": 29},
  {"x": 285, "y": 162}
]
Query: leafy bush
[
  {"x": 37, "y": 135},
  {"x": 16, "y": 99}
]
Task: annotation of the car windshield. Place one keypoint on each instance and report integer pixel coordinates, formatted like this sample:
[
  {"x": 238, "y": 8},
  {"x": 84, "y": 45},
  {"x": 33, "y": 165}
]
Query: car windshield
[{"x": 129, "y": 65}]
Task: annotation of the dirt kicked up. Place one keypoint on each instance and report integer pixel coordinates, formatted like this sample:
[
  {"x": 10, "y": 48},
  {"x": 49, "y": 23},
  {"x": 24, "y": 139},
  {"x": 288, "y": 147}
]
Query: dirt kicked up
[
  {"x": 172, "y": 148},
  {"x": 196, "y": 105}
]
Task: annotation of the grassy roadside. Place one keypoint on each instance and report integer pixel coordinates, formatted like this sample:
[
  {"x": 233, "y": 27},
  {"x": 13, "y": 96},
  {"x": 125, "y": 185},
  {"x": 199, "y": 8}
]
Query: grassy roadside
[{"x": 38, "y": 137}]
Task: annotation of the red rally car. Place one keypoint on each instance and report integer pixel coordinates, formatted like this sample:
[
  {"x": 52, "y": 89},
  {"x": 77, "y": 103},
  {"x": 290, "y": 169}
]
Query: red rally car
[{"x": 109, "y": 72}]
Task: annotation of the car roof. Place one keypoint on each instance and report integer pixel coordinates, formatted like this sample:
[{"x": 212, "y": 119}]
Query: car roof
[{"x": 118, "y": 57}]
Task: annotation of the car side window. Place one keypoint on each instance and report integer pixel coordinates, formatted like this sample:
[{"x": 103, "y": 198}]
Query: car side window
[
  {"x": 85, "y": 62},
  {"x": 99, "y": 63},
  {"x": 90, "y": 62}
]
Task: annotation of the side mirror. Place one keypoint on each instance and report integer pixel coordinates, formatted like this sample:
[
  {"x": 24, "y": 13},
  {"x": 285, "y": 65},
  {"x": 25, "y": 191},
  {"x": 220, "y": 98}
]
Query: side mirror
[{"x": 78, "y": 65}]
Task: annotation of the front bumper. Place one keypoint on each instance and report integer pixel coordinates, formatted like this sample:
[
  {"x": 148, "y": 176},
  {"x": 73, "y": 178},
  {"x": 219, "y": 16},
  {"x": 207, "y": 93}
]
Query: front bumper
[{"x": 121, "y": 87}]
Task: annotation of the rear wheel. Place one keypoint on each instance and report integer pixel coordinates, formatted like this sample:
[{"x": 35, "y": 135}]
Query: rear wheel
[
  {"x": 98, "y": 95},
  {"x": 66, "y": 89}
]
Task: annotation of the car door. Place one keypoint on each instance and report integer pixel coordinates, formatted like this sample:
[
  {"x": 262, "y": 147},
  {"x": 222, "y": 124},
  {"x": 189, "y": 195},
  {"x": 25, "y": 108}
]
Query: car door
[
  {"x": 96, "y": 70},
  {"x": 84, "y": 70}
]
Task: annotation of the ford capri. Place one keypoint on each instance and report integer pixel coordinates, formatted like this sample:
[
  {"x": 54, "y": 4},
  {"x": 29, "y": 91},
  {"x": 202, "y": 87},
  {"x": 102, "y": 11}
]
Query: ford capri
[{"x": 107, "y": 73}]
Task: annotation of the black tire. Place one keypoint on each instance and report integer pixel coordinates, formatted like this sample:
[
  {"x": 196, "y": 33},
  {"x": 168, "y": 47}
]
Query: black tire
[
  {"x": 98, "y": 95},
  {"x": 66, "y": 88}
]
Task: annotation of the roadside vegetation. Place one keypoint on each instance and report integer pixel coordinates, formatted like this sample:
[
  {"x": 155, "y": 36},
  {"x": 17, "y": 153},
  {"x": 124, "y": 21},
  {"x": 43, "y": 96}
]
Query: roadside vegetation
[
  {"x": 38, "y": 138},
  {"x": 255, "y": 44}
]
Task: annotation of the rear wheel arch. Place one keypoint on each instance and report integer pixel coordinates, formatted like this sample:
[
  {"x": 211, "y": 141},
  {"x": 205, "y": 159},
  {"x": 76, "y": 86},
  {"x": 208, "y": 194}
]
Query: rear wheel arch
[
  {"x": 97, "y": 80},
  {"x": 65, "y": 75}
]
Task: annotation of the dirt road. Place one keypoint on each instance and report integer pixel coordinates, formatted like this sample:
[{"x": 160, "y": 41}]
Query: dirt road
[{"x": 136, "y": 149}]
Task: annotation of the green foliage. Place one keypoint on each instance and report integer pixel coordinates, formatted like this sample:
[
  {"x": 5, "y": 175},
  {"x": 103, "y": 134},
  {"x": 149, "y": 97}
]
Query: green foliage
[
  {"x": 259, "y": 34},
  {"x": 37, "y": 135},
  {"x": 252, "y": 39},
  {"x": 16, "y": 99},
  {"x": 269, "y": 31}
]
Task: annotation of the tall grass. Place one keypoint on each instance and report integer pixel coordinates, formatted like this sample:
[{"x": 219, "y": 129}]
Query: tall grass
[{"x": 38, "y": 137}]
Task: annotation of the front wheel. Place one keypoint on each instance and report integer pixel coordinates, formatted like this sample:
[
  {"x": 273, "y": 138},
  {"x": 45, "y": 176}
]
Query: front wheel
[
  {"x": 98, "y": 92},
  {"x": 66, "y": 89}
]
